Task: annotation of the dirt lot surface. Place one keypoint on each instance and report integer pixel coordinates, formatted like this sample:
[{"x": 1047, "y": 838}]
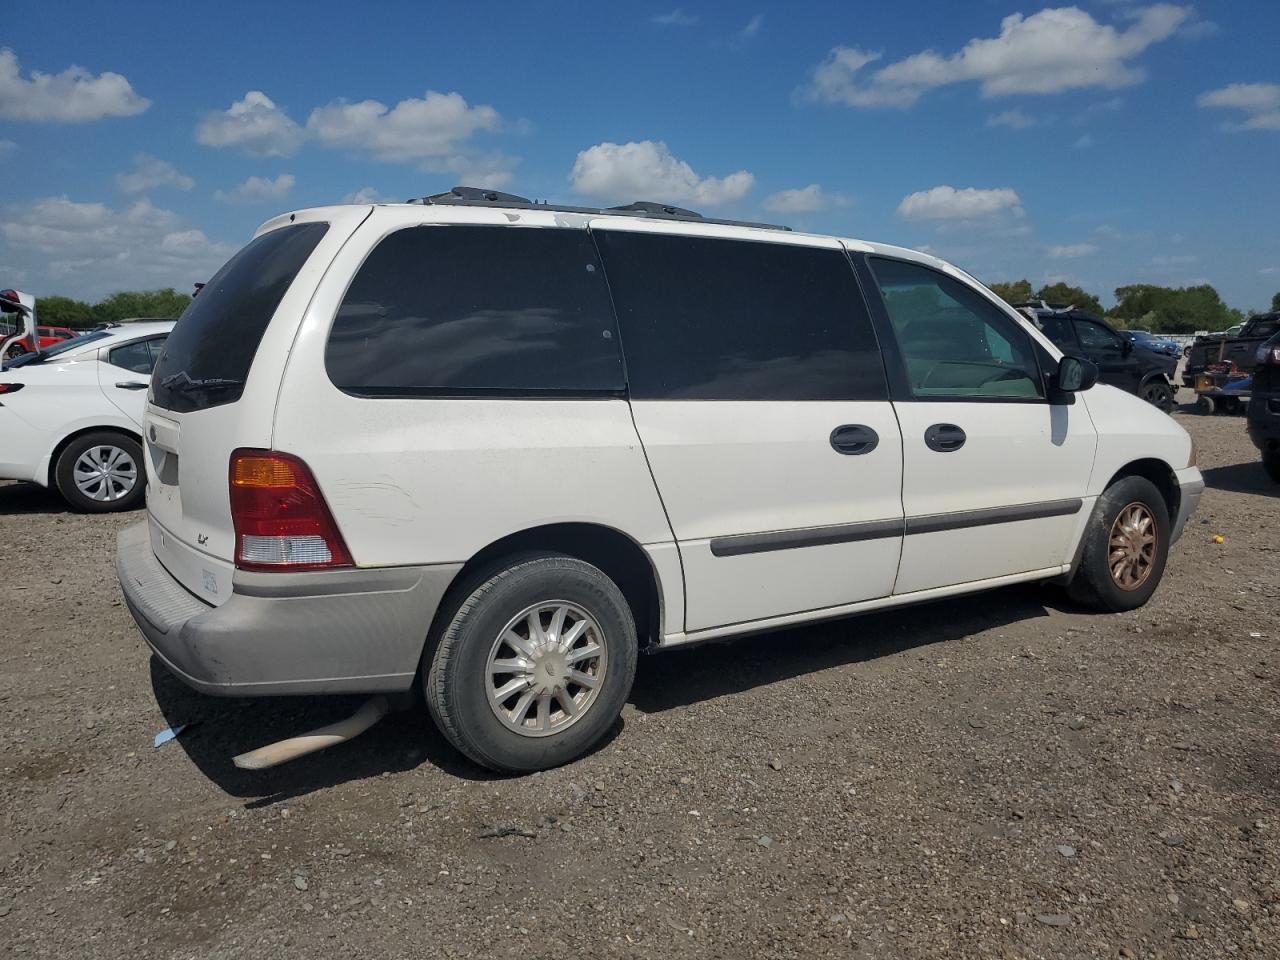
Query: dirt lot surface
[{"x": 999, "y": 776}]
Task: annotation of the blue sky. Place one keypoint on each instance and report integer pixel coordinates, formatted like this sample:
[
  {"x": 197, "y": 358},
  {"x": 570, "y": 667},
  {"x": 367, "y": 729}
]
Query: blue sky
[{"x": 1105, "y": 143}]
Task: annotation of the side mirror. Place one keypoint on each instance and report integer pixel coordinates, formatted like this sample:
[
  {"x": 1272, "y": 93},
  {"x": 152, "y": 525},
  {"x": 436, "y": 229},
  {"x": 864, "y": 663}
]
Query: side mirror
[
  {"x": 1126, "y": 346},
  {"x": 1075, "y": 374}
]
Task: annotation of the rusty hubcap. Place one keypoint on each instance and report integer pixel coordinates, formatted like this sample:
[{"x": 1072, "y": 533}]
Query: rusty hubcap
[{"x": 1132, "y": 551}]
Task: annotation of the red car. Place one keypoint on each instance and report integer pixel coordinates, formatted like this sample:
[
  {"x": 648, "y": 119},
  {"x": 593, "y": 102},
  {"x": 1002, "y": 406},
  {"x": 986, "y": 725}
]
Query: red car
[{"x": 48, "y": 337}]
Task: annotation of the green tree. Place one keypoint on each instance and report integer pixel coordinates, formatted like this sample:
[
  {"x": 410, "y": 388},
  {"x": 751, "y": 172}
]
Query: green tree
[
  {"x": 1060, "y": 294},
  {"x": 1275, "y": 302},
  {"x": 1175, "y": 310},
  {"x": 59, "y": 311},
  {"x": 1019, "y": 291},
  {"x": 164, "y": 304}
]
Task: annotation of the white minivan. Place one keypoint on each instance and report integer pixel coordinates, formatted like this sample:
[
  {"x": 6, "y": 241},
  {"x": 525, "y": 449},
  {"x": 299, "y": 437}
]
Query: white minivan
[{"x": 493, "y": 449}]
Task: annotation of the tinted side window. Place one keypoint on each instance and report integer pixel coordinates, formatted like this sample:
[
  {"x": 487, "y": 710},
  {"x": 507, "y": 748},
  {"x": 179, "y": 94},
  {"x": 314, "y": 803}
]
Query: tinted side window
[
  {"x": 209, "y": 352},
  {"x": 443, "y": 310},
  {"x": 1266, "y": 328},
  {"x": 1096, "y": 337},
  {"x": 135, "y": 357},
  {"x": 1058, "y": 330},
  {"x": 954, "y": 342},
  {"x": 711, "y": 319}
]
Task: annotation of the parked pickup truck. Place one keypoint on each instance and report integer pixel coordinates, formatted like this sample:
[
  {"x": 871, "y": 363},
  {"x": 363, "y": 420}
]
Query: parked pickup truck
[
  {"x": 1239, "y": 348},
  {"x": 1264, "y": 406}
]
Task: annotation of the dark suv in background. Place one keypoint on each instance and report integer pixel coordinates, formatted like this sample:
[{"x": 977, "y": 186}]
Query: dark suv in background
[
  {"x": 1123, "y": 363},
  {"x": 1264, "y": 406}
]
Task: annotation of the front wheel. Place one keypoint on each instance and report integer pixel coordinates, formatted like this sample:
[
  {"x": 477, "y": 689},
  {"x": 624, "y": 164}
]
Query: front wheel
[
  {"x": 101, "y": 472},
  {"x": 535, "y": 665},
  {"x": 1125, "y": 549},
  {"x": 14, "y": 352},
  {"x": 1158, "y": 394}
]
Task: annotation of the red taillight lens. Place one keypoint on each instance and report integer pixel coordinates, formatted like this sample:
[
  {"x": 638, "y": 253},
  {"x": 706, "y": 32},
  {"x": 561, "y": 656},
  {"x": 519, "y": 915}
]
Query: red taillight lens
[
  {"x": 10, "y": 387},
  {"x": 281, "y": 520}
]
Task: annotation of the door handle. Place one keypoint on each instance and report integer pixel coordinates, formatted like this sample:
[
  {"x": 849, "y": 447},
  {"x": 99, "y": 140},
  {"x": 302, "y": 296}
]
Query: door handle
[
  {"x": 131, "y": 385},
  {"x": 853, "y": 439},
  {"x": 944, "y": 438}
]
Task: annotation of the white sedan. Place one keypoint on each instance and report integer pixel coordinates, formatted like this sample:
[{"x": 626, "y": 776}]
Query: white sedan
[{"x": 71, "y": 415}]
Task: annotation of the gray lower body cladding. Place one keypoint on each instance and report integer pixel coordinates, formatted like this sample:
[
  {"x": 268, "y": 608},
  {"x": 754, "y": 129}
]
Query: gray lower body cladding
[{"x": 340, "y": 631}]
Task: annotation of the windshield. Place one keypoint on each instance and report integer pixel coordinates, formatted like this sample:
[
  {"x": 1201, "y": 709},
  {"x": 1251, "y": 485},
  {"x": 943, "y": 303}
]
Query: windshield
[
  {"x": 58, "y": 348},
  {"x": 207, "y": 357}
]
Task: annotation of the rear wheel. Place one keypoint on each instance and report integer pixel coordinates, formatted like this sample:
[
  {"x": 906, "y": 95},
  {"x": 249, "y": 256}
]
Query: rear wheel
[
  {"x": 535, "y": 665},
  {"x": 1126, "y": 546},
  {"x": 1158, "y": 393},
  {"x": 16, "y": 350},
  {"x": 101, "y": 472},
  {"x": 1271, "y": 463}
]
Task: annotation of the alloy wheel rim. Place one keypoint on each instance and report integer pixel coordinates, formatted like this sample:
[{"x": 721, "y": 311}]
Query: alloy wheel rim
[
  {"x": 1131, "y": 552},
  {"x": 105, "y": 473},
  {"x": 545, "y": 668}
]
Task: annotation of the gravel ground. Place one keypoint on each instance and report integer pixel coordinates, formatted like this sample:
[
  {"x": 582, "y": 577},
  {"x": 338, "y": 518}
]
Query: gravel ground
[{"x": 998, "y": 776}]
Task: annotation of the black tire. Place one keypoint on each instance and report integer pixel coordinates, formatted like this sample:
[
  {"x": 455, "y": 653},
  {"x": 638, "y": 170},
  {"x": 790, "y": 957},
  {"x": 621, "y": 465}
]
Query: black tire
[
  {"x": 457, "y": 681},
  {"x": 64, "y": 473},
  {"x": 1271, "y": 464},
  {"x": 14, "y": 352},
  {"x": 1158, "y": 393},
  {"x": 1093, "y": 584},
  {"x": 1205, "y": 404}
]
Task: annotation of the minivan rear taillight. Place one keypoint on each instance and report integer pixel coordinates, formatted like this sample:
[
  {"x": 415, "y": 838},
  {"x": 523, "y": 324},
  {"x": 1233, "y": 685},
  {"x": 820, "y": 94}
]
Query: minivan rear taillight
[{"x": 281, "y": 520}]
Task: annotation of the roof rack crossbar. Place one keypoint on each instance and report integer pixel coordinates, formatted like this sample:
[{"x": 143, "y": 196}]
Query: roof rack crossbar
[{"x": 477, "y": 197}]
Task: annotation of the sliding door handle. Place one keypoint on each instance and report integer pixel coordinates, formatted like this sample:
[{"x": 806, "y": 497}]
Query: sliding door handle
[
  {"x": 944, "y": 438},
  {"x": 853, "y": 439}
]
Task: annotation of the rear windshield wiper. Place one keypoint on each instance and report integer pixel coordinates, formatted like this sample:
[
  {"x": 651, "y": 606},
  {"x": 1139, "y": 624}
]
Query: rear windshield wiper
[{"x": 182, "y": 381}]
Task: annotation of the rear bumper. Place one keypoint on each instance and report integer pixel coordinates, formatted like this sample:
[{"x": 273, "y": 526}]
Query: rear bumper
[
  {"x": 1190, "y": 487},
  {"x": 340, "y": 631},
  {"x": 1264, "y": 421}
]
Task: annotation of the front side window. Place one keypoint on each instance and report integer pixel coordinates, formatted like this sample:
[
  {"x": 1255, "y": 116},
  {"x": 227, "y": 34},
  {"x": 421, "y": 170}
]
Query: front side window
[
  {"x": 1098, "y": 339},
  {"x": 477, "y": 311},
  {"x": 717, "y": 319},
  {"x": 954, "y": 342}
]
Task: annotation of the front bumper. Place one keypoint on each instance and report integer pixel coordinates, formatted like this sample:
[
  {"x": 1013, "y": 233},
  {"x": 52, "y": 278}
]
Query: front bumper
[
  {"x": 339, "y": 631},
  {"x": 1190, "y": 486}
]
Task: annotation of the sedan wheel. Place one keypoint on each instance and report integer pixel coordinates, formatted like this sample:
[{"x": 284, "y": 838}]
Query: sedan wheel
[{"x": 105, "y": 473}]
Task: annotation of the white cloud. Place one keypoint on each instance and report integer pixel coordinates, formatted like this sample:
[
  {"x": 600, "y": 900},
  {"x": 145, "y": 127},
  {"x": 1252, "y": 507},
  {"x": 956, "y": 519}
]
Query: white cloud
[
  {"x": 1012, "y": 118},
  {"x": 90, "y": 249},
  {"x": 751, "y": 29},
  {"x": 1268, "y": 271},
  {"x": 72, "y": 96},
  {"x": 970, "y": 203},
  {"x": 365, "y": 195},
  {"x": 253, "y": 124},
  {"x": 803, "y": 200},
  {"x": 259, "y": 190},
  {"x": 675, "y": 18},
  {"x": 1083, "y": 142},
  {"x": 1047, "y": 52},
  {"x": 149, "y": 173},
  {"x": 1068, "y": 251},
  {"x": 1174, "y": 260},
  {"x": 432, "y": 128},
  {"x": 1260, "y": 103},
  {"x": 647, "y": 170},
  {"x": 7, "y": 147}
]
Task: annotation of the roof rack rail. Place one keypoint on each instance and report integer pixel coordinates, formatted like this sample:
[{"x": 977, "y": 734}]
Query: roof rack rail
[{"x": 478, "y": 197}]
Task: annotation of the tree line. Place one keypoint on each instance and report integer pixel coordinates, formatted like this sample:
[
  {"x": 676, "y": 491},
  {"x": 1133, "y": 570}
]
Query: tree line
[
  {"x": 1142, "y": 306},
  {"x": 57, "y": 311}
]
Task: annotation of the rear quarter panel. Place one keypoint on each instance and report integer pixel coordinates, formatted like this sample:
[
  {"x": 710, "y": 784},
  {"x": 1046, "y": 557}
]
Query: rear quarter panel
[{"x": 414, "y": 481}]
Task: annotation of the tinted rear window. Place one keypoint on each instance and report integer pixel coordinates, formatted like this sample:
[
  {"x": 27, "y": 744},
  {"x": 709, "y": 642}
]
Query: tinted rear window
[
  {"x": 209, "y": 352},
  {"x": 476, "y": 311},
  {"x": 711, "y": 319}
]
